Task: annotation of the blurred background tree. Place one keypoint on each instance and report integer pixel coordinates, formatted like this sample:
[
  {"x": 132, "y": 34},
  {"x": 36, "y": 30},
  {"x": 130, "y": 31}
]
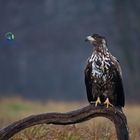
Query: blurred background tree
[{"x": 46, "y": 60}]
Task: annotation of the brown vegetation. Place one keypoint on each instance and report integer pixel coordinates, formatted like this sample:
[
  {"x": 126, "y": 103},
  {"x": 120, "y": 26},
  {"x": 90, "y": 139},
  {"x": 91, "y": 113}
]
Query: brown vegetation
[{"x": 95, "y": 129}]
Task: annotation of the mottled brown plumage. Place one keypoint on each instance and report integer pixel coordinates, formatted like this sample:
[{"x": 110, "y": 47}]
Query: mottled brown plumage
[{"x": 103, "y": 76}]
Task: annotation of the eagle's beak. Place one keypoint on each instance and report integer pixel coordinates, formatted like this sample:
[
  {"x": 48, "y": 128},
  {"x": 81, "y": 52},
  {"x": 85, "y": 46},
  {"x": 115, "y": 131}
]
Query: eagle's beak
[{"x": 90, "y": 39}]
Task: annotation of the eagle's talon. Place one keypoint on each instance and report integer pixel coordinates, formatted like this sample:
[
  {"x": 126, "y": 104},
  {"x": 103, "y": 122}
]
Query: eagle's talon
[
  {"x": 98, "y": 101},
  {"x": 107, "y": 103}
]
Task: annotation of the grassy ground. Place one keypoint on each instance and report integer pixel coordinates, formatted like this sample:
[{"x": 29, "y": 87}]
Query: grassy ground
[{"x": 96, "y": 129}]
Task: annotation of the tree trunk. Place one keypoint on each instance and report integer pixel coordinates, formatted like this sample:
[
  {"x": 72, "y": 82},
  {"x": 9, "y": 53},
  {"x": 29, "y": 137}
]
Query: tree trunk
[{"x": 114, "y": 114}]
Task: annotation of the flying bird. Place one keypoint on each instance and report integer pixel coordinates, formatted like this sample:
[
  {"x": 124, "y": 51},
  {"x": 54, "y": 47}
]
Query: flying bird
[{"x": 103, "y": 75}]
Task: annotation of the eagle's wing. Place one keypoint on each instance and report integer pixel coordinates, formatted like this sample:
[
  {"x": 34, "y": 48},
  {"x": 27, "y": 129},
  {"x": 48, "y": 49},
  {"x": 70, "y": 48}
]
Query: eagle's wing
[
  {"x": 119, "y": 91},
  {"x": 88, "y": 81}
]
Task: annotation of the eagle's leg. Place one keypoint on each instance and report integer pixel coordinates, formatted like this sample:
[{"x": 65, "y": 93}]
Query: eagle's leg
[
  {"x": 98, "y": 101},
  {"x": 107, "y": 103}
]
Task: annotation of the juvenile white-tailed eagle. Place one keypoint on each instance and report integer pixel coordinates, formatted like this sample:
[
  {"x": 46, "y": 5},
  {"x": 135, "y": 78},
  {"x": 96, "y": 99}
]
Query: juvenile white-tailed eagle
[{"x": 103, "y": 76}]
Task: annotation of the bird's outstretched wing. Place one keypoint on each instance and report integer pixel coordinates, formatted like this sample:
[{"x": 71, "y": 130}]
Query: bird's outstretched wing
[
  {"x": 119, "y": 91},
  {"x": 88, "y": 81}
]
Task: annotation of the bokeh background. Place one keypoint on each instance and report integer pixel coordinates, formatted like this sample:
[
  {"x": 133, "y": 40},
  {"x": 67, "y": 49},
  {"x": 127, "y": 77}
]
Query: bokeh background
[
  {"x": 42, "y": 68},
  {"x": 46, "y": 60}
]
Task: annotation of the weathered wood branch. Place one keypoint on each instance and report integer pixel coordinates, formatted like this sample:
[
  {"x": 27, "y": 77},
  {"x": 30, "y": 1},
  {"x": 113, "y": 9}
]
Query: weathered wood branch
[{"x": 114, "y": 114}]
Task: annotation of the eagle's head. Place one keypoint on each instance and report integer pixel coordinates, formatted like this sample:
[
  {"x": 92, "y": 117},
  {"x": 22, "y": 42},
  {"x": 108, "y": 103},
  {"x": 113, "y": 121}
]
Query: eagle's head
[{"x": 97, "y": 40}]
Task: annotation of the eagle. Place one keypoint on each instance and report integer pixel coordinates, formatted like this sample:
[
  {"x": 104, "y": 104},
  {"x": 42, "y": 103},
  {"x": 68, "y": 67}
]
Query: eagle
[{"x": 103, "y": 75}]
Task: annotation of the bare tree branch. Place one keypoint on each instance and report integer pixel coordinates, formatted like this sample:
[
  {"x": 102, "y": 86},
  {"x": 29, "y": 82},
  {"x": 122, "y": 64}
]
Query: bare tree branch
[{"x": 114, "y": 114}]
